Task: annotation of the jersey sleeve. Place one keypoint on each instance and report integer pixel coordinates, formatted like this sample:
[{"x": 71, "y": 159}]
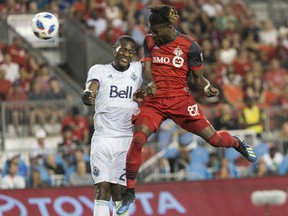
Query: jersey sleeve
[
  {"x": 147, "y": 50},
  {"x": 94, "y": 73},
  {"x": 195, "y": 56}
]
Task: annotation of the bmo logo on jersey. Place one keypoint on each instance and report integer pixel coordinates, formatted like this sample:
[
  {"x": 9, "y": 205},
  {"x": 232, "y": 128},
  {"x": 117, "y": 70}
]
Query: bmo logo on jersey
[
  {"x": 115, "y": 92},
  {"x": 164, "y": 60}
]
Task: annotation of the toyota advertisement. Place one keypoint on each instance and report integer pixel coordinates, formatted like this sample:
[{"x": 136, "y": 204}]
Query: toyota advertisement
[{"x": 199, "y": 198}]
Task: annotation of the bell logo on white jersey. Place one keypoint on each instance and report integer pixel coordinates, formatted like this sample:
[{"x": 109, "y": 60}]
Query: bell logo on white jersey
[{"x": 115, "y": 92}]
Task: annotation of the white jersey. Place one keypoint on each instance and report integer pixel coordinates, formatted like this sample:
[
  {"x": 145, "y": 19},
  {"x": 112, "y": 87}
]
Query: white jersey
[{"x": 114, "y": 105}]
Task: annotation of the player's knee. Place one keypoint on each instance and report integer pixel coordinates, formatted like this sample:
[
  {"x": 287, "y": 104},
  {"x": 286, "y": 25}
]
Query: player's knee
[
  {"x": 102, "y": 193},
  {"x": 139, "y": 139},
  {"x": 215, "y": 140}
]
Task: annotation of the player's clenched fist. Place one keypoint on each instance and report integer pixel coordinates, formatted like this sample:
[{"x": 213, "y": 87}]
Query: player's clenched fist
[
  {"x": 139, "y": 95},
  {"x": 150, "y": 89},
  {"x": 211, "y": 91},
  {"x": 88, "y": 97}
]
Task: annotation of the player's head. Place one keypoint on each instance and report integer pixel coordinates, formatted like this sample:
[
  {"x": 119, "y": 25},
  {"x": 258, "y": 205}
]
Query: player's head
[
  {"x": 123, "y": 50},
  {"x": 161, "y": 22}
]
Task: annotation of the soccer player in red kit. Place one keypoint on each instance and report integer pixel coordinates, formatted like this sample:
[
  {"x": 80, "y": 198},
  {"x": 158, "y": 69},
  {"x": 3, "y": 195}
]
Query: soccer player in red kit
[{"x": 169, "y": 59}]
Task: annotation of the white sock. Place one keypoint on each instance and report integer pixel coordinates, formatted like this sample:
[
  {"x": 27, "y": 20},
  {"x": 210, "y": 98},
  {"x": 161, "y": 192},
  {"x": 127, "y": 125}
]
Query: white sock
[
  {"x": 101, "y": 208},
  {"x": 114, "y": 209}
]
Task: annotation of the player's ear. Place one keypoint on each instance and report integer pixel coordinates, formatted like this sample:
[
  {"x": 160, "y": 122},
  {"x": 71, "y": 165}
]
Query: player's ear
[{"x": 114, "y": 49}]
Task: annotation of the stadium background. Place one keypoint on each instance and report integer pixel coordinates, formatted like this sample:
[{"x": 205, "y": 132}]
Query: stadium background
[{"x": 179, "y": 169}]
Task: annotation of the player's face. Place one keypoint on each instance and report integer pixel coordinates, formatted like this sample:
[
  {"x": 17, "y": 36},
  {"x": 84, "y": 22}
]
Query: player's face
[
  {"x": 123, "y": 54},
  {"x": 160, "y": 33}
]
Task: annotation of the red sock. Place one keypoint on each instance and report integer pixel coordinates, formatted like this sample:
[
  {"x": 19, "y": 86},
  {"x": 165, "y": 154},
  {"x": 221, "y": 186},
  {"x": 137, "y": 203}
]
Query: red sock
[
  {"x": 223, "y": 139},
  {"x": 134, "y": 158}
]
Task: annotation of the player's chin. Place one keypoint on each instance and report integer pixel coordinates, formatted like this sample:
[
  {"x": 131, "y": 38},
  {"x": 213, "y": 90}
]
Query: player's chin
[{"x": 124, "y": 64}]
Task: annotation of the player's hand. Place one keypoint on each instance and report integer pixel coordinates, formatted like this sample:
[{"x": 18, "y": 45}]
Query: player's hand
[
  {"x": 139, "y": 95},
  {"x": 88, "y": 97},
  {"x": 150, "y": 89},
  {"x": 211, "y": 91}
]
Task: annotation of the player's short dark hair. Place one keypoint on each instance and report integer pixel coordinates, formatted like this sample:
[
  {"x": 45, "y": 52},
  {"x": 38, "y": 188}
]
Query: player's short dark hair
[
  {"x": 162, "y": 14},
  {"x": 124, "y": 38}
]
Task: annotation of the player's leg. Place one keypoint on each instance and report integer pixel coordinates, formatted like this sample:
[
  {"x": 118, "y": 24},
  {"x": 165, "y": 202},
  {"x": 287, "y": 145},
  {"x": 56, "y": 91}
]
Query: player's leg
[
  {"x": 100, "y": 159},
  {"x": 117, "y": 191},
  {"x": 195, "y": 122},
  {"x": 146, "y": 123},
  {"x": 102, "y": 197}
]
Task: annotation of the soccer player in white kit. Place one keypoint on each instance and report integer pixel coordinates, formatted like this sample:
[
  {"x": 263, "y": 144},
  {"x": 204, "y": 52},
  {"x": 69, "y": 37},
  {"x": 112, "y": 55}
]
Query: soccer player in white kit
[{"x": 110, "y": 87}]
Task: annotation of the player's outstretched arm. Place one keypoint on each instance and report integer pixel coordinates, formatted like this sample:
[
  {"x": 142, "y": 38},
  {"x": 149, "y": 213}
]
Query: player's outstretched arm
[
  {"x": 151, "y": 87},
  {"x": 203, "y": 84},
  {"x": 89, "y": 94}
]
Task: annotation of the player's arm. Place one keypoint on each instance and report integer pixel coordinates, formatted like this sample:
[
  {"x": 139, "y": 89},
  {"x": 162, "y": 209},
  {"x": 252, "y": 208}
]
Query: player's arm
[
  {"x": 203, "y": 84},
  {"x": 195, "y": 59},
  {"x": 150, "y": 88},
  {"x": 148, "y": 79},
  {"x": 89, "y": 94}
]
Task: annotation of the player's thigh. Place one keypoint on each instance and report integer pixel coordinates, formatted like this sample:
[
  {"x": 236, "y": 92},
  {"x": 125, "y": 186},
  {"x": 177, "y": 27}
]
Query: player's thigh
[
  {"x": 190, "y": 117},
  {"x": 150, "y": 116},
  {"x": 108, "y": 159},
  {"x": 100, "y": 159},
  {"x": 118, "y": 167}
]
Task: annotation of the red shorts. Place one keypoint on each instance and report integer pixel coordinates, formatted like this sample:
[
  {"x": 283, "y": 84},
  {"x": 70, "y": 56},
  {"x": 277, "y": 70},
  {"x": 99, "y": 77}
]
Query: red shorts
[{"x": 183, "y": 110}]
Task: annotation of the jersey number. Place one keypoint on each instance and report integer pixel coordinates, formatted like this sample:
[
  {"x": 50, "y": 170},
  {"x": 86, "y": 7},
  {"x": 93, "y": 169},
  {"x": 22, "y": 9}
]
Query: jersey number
[{"x": 122, "y": 177}]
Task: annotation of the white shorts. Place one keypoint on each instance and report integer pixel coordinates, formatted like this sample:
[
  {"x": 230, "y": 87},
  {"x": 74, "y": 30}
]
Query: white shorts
[{"x": 108, "y": 159}]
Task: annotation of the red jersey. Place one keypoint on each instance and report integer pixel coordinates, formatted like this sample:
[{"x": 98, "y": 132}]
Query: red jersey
[{"x": 171, "y": 63}]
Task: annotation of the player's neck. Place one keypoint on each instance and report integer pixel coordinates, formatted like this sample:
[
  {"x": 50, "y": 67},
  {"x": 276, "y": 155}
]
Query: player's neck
[{"x": 118, "y": 68}]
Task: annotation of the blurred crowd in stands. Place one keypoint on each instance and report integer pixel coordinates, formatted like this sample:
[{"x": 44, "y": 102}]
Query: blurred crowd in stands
[{"x": 245, "y": 57}]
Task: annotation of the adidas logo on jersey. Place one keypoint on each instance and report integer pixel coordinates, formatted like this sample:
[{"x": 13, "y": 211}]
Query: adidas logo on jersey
[
  {"x": 114, "y": 92},
  {"x": 110, "y": 76}
]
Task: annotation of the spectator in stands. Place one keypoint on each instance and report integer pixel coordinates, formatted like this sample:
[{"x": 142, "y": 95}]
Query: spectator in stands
[
  {"x": 211, "y": 8},
  {"x": 262, "y": 170},
  {"x": 38, "y": 111},
  {"x": 16, "y": 111},
  {"x": 35, "y": 180},
  {"x": 97, "y": 23},
  {"x": 273, "y": 158},
  {"x": 25, "y": 80},
  {"x": 5, "y": 85},
  {"x": 12, "y": 180},
  {"x": 268, "y": 34},
  {"x": 227, "y": 52},
  {"x": 114, "y": 14},
  {"x": 242, "y": 64},
  {"x": 17, "y": 51},
  {"x": 43, "y": 77},
  {"x": 137, "y": 28},
  {"x": 232, "y": 89},
  {"x": 54, "y": 164},
  {"x": 42, "y": 147},
  {"x": 56, "y": 111},
  {"x": 68, "y": 144},
  {"x": 80, "y": 177},
  {"x": 283, "y": 137},
  {"x": 276, "y": 76},
  {"x": 32, "y": 66},
  {"x": 80, "y": 155},
  {"x": 252, "y": 117},
  {"x": 11, "y": 68},
  {"x": 78, "y": 124},
  {"x": 213, "y": 163},
  {"x": 227, "y": 118},
  {"x": 224, "y": 172},
  {"x": 15, "y": 158}
]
